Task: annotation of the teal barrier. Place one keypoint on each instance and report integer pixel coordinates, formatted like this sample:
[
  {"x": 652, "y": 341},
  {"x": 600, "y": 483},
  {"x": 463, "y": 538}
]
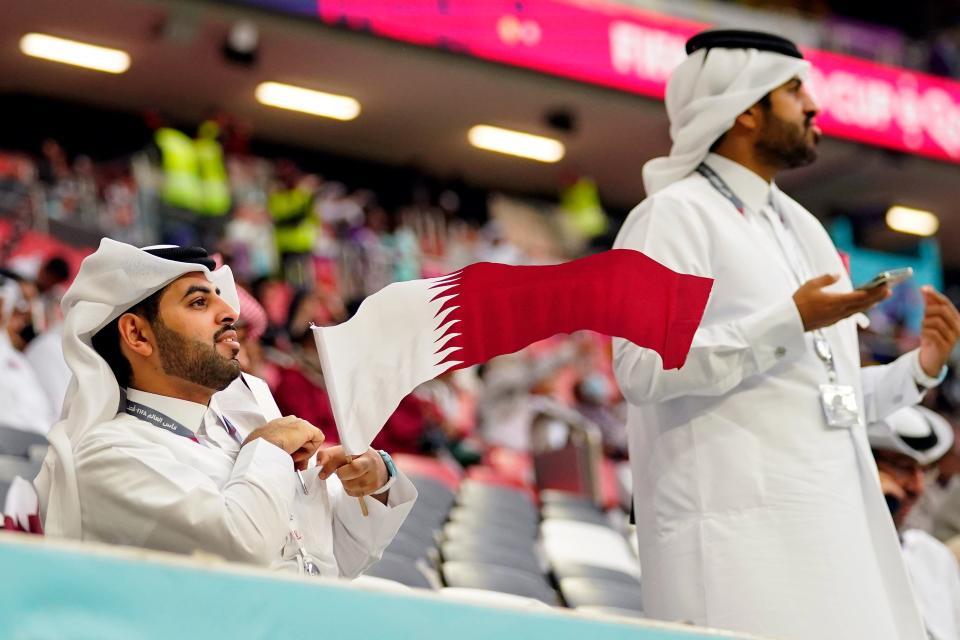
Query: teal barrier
[{"x": 53, "y": 590}]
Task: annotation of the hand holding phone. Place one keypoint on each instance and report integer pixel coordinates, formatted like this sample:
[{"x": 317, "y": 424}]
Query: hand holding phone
[{"x": 890, "y": 278}]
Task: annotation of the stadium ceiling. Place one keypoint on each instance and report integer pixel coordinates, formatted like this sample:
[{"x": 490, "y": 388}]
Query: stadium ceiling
[{"x": 418, "y": 105}]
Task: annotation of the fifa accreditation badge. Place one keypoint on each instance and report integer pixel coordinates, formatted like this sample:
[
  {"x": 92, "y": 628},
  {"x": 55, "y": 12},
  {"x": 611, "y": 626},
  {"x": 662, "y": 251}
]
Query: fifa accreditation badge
[{"x": 839, "y": 405}]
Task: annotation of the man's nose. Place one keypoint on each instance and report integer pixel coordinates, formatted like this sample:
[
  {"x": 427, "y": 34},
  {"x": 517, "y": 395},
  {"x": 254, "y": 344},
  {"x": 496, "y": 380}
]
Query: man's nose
[
  {"x": 917, "y": 482},
  {"x": 810, "y": 107},
  {"x": 225, "y": 315}
]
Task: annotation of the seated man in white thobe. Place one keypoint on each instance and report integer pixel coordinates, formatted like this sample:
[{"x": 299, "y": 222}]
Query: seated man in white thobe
[
  {"x": 194, "y": 457},
  {"x": 906, "y": 445}
]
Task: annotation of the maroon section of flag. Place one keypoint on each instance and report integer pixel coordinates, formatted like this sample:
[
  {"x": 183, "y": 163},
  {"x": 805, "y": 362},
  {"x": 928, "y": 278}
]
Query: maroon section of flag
[{"x": 499, "y": 309}]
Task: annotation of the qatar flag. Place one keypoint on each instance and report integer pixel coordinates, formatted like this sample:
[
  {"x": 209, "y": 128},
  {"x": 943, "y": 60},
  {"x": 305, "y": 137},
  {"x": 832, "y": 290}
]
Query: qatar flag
[{"x": 411, "y": 332}]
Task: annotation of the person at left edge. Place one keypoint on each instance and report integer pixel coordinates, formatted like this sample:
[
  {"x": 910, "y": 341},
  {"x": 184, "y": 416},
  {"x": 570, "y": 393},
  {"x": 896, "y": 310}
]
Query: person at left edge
[{"x": 192, "y": 461}]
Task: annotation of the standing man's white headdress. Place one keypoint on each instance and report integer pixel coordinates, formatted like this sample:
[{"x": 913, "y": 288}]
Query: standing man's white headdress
[
  {"x": 111, "y": 280},
  {"x": 724, "y": 74}
]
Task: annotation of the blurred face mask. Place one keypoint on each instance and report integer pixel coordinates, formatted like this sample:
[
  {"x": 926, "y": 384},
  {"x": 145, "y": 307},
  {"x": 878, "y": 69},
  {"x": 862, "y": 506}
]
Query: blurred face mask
[
  {"x": 16, "y": 312},
  {"x": 595, "y": 389}
]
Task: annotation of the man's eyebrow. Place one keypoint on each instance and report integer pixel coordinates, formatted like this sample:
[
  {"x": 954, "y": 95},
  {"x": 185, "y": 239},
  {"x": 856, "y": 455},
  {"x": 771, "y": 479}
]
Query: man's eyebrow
[{"x": 197, "y": 288}]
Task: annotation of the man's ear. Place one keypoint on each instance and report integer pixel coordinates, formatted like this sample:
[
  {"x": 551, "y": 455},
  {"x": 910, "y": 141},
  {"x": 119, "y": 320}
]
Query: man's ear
[
  {"x": 136, "y": 335},
  {"x": 751, "y": 119}
]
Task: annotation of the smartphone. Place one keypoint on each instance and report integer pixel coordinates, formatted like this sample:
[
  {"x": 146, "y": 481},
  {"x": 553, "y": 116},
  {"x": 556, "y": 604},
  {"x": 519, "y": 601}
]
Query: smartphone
[{"x": 892, "y": 278}]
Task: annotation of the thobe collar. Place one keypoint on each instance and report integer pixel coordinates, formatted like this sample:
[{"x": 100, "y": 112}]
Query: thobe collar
[
  {"x": 189, "y": 414},
  {"x": 752, "y": 190}
]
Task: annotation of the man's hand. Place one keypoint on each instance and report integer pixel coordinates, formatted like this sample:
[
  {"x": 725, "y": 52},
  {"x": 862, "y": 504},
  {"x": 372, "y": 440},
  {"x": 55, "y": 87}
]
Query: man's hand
[
  {"x": 363, "y": 476},
  {"x": 819, "y": 308},
  {"x": 939, "y": 333},
  {"x": 890, "y": 487},
  {"x": 297, "y": 437}
]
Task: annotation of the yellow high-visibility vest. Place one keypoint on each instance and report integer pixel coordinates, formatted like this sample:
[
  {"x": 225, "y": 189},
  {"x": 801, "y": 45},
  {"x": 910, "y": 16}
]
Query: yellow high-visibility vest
[
  {"x": 214, "y": 183},
  {"x": 195, "y": 175},
  {"x": 295, "y": 229},
  {"x": 181, "y": 183}
]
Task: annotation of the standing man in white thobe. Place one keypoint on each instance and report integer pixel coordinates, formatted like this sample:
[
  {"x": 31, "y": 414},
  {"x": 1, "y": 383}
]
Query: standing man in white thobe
[
  {"x": 192, "y": 456},
  {"x": 757, "y": 500}
]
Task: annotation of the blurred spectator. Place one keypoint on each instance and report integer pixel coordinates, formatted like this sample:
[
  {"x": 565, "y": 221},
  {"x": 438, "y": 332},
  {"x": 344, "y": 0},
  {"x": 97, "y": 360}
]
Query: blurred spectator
[
  {"x": 51, "y": 280},
  {"x": 906, "y": 445},
  {"x": 300, "y": 389},
  {"x": 25, "y": 404},
  {"x": 593, "y": 395},
  {"x": 291, "y": 207},
  {"x": 250, "y": 242},
  {"x": 45, "y": 355},
  {"x": 53, "y": 167},
  {"x": 450, "y": 402},
  {"x": 250, "y": 327},
  {"x": 406, "y": 253},
  {"x": 372, "y": 243},
  {"x": 194, "y": 190},
  {"x": 515, "y": 390}
]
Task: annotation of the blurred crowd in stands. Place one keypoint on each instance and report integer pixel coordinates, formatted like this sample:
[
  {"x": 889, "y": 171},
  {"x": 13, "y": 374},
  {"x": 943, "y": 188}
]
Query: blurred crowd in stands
[{"x": 306, "y": 249}]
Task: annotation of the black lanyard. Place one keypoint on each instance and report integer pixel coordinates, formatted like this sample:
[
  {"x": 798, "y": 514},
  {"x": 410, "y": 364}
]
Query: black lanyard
[
  {"x": 159, "y": 420},
  {"x": 722, "y": 187},
  {"x": 821, "y": 345}
]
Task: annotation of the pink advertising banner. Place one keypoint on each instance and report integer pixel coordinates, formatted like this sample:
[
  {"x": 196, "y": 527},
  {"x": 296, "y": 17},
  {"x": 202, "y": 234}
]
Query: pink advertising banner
[{"x": 634, "y": 51}]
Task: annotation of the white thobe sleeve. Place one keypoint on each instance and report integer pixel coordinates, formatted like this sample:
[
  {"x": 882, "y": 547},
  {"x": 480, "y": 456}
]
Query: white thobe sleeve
[
  {"x": 721, "y": 355},
  {"x": 359, "y": 541},
  {"x": 889, "y": 387},
  {"x": 138, "y": 493}
]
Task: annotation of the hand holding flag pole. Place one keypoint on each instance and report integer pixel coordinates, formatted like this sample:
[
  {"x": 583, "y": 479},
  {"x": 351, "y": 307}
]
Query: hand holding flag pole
[{"x": 411, "y": 332}]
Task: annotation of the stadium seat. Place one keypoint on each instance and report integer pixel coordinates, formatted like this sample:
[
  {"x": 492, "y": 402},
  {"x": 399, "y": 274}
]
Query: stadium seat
[
  {"x": 409, "y": 546},
  {"x": 22, "y": 444},
  {"x": 462, "y": 532},
  {"x": 493, "y": 578},
  {"x": 487, "y": 553},
  {"x": 491, "y": 476},
  {"x": 579, "y": 592},
  {"x": 421, "y": 530},
  {"x": 503, "y": 519},
  {"x": 571, "y": 511},
  {"x": 476, "y": 493},
  {"x": 555, "y": 496},
  {"x": 498, "y": 510},
  {"x": 483, "y": 596},
  {"x": 403, "y": 570},
  {"x": 433, "y": 492},
  {"x": 428, "y": 513},
  {"x": 434, "y": 468},
  {"x": 517, "y": 465},
  {"x": 624, "y": 485},
  {"x": 569, "y": 541},
  {"x": 579, "y": 570},
  {"x": 609, "y": 484},
  {"x": 11, "y": 466}
]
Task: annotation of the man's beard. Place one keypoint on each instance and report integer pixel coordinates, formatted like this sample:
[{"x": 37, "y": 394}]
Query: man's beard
[
  {"x": 195, "y": 361},
  {"x": 784, "y": 144}
]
